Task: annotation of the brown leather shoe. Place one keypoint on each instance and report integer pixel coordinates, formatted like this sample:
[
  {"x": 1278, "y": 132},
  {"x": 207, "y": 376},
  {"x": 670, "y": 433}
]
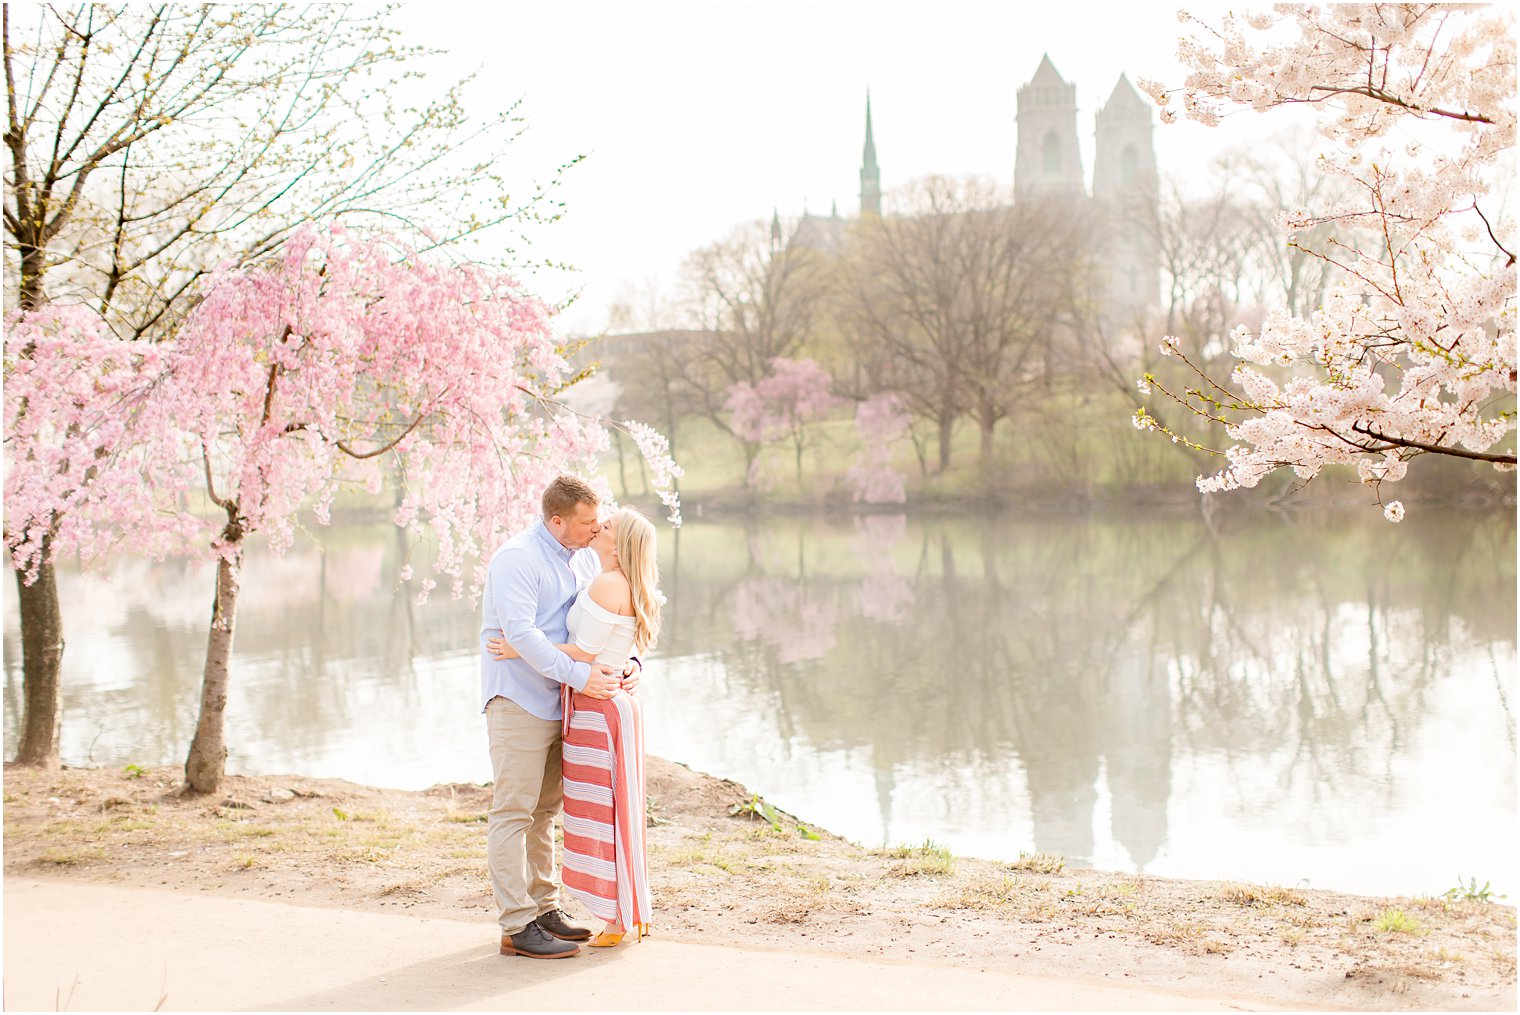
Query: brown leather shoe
[
  {"x": 553, "y": 922},
  {"x": 532, "y": 942}
]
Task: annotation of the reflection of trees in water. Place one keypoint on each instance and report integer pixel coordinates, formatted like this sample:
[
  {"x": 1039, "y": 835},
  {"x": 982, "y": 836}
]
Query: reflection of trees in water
[
  {"x": 1301, "y": 655},
  {"x": 1309, "y": 650},
  {"x": 320, "y": 630}
]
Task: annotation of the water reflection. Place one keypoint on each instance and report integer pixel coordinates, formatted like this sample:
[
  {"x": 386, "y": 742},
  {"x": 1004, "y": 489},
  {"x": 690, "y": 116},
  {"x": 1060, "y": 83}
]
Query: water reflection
[{"x": 1286, "y": 698}]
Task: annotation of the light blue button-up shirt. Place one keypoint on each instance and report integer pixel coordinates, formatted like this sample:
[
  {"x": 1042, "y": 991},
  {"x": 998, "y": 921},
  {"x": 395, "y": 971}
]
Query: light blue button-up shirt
[{"x": 529, "y": 587}]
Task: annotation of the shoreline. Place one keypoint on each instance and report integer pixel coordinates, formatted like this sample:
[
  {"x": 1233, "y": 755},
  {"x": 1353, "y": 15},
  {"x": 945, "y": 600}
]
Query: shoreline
[{"x": 751, "y": 881}]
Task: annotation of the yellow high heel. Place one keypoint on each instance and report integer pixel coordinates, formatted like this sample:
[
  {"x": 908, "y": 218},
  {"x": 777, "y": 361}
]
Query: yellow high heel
[{"x": 608, "y": 940}]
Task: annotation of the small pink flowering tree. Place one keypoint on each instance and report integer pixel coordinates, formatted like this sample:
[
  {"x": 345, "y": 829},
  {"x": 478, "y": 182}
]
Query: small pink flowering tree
[
  {"x": 1413, "y": 352},
  {"x": 781, "y": 405},
  {"x": 298, "y": 377},
  {"x": 882, "y": 422}
]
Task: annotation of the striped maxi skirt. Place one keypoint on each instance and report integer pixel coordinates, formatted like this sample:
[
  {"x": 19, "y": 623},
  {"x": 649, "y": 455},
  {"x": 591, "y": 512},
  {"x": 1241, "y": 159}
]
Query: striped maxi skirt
[{"x": 604, "y": 860}]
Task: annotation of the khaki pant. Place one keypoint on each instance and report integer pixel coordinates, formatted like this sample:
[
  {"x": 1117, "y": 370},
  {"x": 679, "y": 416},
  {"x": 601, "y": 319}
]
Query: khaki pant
[{"x": 526, "y": 756}]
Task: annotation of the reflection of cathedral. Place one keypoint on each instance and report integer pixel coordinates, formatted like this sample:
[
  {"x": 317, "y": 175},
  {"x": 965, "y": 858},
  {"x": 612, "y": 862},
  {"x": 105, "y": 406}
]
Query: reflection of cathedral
[{"x": 1048, "y": 167}]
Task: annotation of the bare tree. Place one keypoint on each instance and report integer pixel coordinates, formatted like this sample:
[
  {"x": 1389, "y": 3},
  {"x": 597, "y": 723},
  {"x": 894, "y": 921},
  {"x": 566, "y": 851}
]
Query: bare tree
[
  {"x": 952, "y": 300},
  {"x": 146, "y": 145},
  {"x": 755, "y": 295}
]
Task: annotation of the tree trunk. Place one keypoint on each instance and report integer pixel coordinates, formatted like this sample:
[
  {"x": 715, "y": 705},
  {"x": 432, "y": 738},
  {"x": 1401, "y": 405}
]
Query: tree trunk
[
  {"x": 41, "y": 616},
  {"x": 946, "y": 426},
  {"x": 986, "y": 450},
  {"x": 207, "y": 761},
  {"x": 617, "y": 442},
  {"x": 41, "y": 659}
]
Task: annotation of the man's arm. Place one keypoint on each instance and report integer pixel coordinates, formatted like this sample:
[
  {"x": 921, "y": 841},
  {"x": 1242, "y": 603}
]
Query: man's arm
[{"x": 516, "y": 603}]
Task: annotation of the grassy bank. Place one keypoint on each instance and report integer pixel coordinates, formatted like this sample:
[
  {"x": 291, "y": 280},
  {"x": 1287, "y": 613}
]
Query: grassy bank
[
  {"x": 1072, "y": 450},
  {"x": 724, "y": 869}
]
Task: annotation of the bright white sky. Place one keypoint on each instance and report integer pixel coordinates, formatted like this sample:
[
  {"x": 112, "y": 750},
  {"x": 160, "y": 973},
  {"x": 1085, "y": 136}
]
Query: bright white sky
[{"x": 695, "y": 117}]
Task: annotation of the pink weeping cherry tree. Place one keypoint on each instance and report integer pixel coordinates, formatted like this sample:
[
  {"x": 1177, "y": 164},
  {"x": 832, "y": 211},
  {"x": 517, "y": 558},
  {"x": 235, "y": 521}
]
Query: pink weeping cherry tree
[
  {"x": 337, "y": 364},
  {"x": 781, "y": 405}
]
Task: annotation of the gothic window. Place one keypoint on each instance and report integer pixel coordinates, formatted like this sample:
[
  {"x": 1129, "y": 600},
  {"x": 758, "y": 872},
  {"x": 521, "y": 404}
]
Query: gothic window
[
  {"x": 1129, "y": 165},
  {"x": 1051, "y": 154}
]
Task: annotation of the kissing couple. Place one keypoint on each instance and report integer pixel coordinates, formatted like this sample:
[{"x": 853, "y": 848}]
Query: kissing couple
[{"x": 570, "y": 606}]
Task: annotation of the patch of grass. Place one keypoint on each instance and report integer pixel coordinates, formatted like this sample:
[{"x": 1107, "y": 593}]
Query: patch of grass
[
  {"x": 134, "y": 771},
  {"x": 1038, "y": 863},
  {"x": 1043, "y": 911},
  {"x": 412, "y": 888},
  {"x": 467, "y": 818},
  {"x": 800, "y": 903},
  {"x": 246, "y": 861},
  {"x": 1189, "y": 937},
  {"x": 991, "y": 895},
  {"x": 928, "y": 859},
  {"x": 128, "y": 823},
  {"x": 71, "y": 857},
  {"x": 700, "y": 853},
  {"x": 1395, "y": 921},
  {"x": 1291, "y": 936},
  {"x": 1257, "y": 896},
  {"x": 1177, "y": 932},
  {"x": 68, "y": 828}
]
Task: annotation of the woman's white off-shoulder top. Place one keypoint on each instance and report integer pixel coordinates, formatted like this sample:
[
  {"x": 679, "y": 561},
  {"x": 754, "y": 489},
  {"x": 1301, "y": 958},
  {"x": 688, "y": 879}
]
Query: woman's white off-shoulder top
[{"x": 594, "y": 628}]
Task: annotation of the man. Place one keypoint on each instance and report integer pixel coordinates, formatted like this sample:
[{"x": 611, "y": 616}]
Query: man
[{"x": 529, "y": 587}]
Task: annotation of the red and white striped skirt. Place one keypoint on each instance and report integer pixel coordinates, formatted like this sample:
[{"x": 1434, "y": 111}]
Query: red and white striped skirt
[{"x": 604, "y": 863}]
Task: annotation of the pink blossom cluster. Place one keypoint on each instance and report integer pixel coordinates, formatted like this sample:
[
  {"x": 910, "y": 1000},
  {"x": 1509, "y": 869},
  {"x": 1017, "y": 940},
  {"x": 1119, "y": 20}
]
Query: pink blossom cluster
[
  {"x": 795, "y": 392},
  {"x": 345, "y": 362},
  {"x": 881, "y": 422},
  {"x": 71, "y": 389},
  {"x": 1414, "y": 352}
]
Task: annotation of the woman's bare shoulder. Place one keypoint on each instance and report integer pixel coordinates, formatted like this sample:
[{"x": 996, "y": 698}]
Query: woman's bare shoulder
[{"x": 610, "y": 591}]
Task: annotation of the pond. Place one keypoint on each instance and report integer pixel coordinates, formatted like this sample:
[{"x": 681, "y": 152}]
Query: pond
[{"x": 1311, "y": 698}]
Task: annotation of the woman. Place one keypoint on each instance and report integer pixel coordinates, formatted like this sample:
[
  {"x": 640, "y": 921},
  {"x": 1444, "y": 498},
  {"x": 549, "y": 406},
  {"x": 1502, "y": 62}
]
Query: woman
[{"x": 616, "y": 616}]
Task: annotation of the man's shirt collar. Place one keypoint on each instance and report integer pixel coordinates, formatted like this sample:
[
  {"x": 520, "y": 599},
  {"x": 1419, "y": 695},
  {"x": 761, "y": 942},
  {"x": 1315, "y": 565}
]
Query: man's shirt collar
[{"x": 555, "y": 546}]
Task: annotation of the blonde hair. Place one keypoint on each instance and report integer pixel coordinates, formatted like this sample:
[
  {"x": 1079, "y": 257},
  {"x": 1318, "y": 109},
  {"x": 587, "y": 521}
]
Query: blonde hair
[{"x": 634, "y": 540}]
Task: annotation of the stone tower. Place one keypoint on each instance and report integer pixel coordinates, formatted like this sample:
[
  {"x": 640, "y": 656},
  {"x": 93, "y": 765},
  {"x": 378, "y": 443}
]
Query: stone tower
[
  {"x": 870, "y": 173},
  {"x": 1048, "y": 162},
  {"x": 1124, "y": 189}
]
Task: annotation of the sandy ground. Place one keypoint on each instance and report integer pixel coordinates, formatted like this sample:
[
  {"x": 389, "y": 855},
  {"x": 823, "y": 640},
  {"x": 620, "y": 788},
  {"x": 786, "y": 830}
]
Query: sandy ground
[
  {"x": 285, "y": 892},
  {"x": 91, "y": 947}
]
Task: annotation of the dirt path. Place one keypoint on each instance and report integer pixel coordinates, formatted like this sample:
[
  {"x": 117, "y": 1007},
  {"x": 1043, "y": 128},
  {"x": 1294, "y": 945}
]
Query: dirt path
[
  {"x": 395, "y": 881},
  {"x": 86, "y": 947}
]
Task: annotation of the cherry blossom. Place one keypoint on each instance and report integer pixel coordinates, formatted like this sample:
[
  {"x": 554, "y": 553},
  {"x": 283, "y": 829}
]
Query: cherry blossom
[
  {"x": 337, "y": 364},
  {"x": 780, "y": 405},
  {"x": 1414, "y": 352},
  {"x": 881, "y": 421}
]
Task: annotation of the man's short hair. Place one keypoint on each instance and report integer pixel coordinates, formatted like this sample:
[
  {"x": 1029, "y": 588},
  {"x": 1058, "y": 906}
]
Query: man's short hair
[{"x": 562, "y": 495}]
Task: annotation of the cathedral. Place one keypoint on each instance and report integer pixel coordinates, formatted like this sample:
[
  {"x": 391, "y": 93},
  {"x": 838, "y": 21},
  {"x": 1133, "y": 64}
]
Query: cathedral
[{"x": 1048, "y": 167}]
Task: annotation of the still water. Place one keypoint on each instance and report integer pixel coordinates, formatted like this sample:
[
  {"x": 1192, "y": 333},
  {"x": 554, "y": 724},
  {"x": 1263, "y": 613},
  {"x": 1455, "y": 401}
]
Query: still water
[{"x": 1301, "y": 699}]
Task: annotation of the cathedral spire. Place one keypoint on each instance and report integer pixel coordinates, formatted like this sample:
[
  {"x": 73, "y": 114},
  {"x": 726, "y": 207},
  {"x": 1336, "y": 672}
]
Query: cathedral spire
[{"x": 870, "y": 172}]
